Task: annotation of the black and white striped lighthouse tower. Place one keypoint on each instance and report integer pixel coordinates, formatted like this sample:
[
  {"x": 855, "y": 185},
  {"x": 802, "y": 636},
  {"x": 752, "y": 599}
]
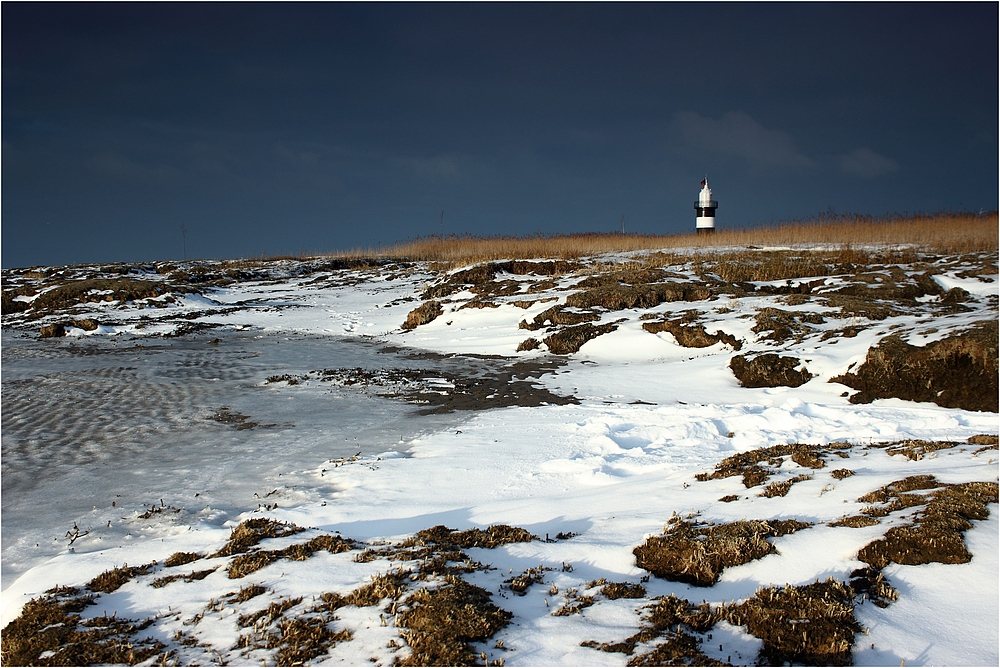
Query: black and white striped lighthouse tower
[{"x": 705, "y": 208}]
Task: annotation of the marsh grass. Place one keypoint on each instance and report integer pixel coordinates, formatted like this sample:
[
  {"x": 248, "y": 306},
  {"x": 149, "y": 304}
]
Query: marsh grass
[
  {"x": 941, "y": 232},
  {"x": 697, "y": 553}
]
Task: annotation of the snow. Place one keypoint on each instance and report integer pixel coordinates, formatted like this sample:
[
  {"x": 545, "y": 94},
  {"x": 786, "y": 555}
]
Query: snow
[{"x": 608, "y": 469}]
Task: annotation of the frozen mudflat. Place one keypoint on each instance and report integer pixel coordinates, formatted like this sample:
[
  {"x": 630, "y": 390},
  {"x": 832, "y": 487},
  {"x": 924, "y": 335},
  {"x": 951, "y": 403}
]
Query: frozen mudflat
[{"x": 291, "y": 396}]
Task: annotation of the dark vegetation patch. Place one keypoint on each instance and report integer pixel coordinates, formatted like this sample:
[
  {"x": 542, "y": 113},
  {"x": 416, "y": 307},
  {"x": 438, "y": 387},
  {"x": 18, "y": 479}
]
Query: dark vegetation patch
[
  {"x": 59, "y": 329},
  {"x": 558, "y": 315},
  {"x": 696, "y": 553},
  {"x": 854, "y": 522},
  {"x": 245, "y": 593},
  {"x": 49, "y": 632},
  {"x": 937, "y": 532},
  {"x": 494, "y": 387},
  {"x": 569, "y": 340},
  {"x": 984, "y": 439},
  {"x": 494, "y": 536},
  {"x": 785, "y": 325},
  {"x": 520, "y": 584},
  {"x": 672, "y": 620},
  {"x": 956, "y": 372},
  {"x": 423, "y": 314},
  {"x": 619, "y": 297},
  {"x": 574, "y": 604},
  {"x": 773, "y": 266},
  {"x": 248, "y": 562},
  {"x": 747, "y": 464},
  {"x": 440, "y": 624},
  {"x": 181, "y": 558},
  {"x": 914, "y": 450},
  {"x": 112, "y": 579},
  {"x": 528, "y": 344},
  {"x": 121, "y": 290},
  {"x": 729, "y": 498},
  {"x": 853, "y": 306},
  {"x": 481, "y": 278},
  {"x": 616, "y": 590},
  {"x": 631, "y": 275},
  {"x": 872, "y": 585},
  {"x": 840, "y": 474},
  {"x": 692, "y": 335},
  {"x": 769, "y": 370},
  {"x": 811, "y": 625},
  {"x": 189, "y": 577},
  {"x": 781, "y": 488},
  {"x": 250, "y": 532},
  {"x": 239, "y": 421}
]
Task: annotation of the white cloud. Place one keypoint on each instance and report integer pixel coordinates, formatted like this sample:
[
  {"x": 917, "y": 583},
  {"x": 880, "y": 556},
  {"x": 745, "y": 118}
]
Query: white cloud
[
  {"x": 738, "y": 135},
  {"x": 867, "y": 163}
]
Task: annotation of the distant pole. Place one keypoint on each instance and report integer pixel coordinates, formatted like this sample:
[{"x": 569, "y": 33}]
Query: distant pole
[
  {"x": 184, "y": 240},
  {"x": 623, "y": 223},
  {"x": 442, "y": 224}
]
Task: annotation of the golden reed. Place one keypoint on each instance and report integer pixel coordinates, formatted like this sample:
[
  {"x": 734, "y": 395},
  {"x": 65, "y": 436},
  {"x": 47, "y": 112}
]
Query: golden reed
[{"x": 942, "y": 233}]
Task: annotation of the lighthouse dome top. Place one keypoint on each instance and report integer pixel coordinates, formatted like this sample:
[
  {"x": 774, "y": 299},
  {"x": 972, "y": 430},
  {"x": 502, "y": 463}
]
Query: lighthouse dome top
[{"x": 705, "y": 196}]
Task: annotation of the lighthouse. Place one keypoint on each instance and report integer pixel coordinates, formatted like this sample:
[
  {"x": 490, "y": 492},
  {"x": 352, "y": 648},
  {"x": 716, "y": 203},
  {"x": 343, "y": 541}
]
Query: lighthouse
[{"x": 705, "y": 210}]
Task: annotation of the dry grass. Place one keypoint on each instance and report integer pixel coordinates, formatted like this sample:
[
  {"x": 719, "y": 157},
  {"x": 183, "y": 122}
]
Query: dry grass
[
  {"x": 943, "y": 232},
  {"x": 697, "y": 553}
]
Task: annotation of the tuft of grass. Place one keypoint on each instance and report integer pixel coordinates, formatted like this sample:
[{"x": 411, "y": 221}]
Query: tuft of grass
[
  {"x": 697, "y": 553},
  {"x": 49, "y": 631},
  {"x": 248, "y": 562},
  {"x": 250, "y": 532},
  {"x": 112, "y": 579},
  {"x": 782, "y": 488},
  {"x": 441, "y": 624},
  {"x": 569, "y": 340},
  {"x": 811, "y": 625},
  {"x": 494, "y": 536},
  {"x": 769, "y": 370},
  {"x": 937, "y": 533},
  {"x": 423, "y": 314}
]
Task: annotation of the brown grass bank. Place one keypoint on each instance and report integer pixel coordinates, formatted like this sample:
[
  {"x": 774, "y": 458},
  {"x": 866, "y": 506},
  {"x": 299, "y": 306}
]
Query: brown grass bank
[{"x": 942, "y": 232}]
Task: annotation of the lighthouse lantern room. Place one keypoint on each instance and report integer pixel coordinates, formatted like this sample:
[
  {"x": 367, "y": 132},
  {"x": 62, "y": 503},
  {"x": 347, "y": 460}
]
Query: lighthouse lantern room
[{"x": 705, "y": 210}]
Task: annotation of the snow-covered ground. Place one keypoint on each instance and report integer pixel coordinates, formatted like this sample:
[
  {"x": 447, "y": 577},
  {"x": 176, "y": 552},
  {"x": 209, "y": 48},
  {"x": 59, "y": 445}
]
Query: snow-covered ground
[{"x": 104, "y": 425}]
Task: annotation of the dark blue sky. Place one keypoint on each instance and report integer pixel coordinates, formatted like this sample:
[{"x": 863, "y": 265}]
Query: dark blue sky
[{"x": 278, "y": 128}]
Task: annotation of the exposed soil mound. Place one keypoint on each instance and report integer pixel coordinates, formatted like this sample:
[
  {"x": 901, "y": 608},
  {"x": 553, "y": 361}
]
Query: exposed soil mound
[
  {"x": 956, "y": 372},
  {"x": 441, "y": 623},
  {"x": 423, "y": 315},
  {"x": 769, "y": 370},
  {"x": 692, "y": 335},
  {"x": 697, "y": 553},
  {"x": 569, "y": 340}
]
